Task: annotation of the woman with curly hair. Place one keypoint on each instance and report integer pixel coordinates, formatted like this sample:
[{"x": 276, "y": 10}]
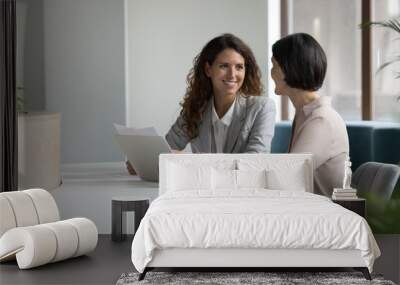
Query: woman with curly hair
[{"x": 223, "y": 110}]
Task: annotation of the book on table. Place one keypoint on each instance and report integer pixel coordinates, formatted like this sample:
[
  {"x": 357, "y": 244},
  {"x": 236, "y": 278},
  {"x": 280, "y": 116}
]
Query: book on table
[
  {"x": 347, "y": 190},
  {"x": 344, "y": 194}
]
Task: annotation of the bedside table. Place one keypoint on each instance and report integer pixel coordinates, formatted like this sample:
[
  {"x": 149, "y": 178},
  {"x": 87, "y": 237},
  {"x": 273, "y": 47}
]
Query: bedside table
[{"x": 355, "y": 205}]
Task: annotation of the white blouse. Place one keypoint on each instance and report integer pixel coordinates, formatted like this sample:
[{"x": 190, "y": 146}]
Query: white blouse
[{"x": 220, "y": 127}]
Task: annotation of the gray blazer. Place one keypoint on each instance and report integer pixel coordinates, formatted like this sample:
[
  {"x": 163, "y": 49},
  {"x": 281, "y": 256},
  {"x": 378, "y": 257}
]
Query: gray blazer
[{"x": 250, "y": 131}]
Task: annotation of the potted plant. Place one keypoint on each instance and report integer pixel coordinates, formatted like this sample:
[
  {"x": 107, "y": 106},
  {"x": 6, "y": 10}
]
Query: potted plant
[{"x": 383, "y": 216}]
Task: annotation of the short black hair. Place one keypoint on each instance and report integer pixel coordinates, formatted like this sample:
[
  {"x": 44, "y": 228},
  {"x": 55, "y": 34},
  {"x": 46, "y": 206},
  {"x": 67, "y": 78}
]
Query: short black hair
[{"x": 302, "y": 60}]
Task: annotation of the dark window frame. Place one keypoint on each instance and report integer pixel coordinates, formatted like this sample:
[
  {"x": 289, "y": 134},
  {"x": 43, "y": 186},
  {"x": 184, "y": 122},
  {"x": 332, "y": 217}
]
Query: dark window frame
[{"x": 366, "y": 60}]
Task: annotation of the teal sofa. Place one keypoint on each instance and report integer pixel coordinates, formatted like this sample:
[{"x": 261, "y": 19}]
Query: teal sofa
[{"x": 369, "y": 141}]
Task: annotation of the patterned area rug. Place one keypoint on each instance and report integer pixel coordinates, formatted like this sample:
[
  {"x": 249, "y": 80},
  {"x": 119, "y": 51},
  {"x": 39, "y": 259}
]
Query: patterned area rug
[{"x": 244, "y": 278}]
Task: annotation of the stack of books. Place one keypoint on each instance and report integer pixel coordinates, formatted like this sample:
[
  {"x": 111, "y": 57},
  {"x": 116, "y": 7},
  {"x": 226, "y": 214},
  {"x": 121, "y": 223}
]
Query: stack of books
[{"x": 344, "y": 194}]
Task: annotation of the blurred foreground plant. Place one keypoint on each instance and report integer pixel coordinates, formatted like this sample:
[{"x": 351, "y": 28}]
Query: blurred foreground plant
[{"x": 384, "y": 216}]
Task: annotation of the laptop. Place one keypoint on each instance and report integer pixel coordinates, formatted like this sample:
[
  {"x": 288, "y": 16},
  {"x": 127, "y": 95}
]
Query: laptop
[{"x": 142, "y": 152}]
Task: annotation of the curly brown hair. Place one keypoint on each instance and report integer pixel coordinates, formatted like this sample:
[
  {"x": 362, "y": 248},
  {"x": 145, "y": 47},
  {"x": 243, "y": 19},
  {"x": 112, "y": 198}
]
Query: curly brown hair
[{"x": 199, "y": 87}]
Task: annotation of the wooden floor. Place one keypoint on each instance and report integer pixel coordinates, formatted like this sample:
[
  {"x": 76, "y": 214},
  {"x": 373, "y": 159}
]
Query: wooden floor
[{"x": 102, "y": 266}]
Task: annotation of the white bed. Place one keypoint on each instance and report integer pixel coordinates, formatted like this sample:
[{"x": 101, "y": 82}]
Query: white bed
[{"x": 243, "y": 210}]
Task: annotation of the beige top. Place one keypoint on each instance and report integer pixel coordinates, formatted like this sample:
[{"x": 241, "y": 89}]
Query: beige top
[{"x": 319, "y": 129}]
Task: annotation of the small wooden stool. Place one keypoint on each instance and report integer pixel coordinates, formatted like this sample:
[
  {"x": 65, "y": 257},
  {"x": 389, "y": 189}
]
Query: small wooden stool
[{"x": 126, "y": 204}]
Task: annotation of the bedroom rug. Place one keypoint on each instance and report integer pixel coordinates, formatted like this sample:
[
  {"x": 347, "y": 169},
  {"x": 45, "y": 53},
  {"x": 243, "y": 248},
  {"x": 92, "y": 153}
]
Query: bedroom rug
[{"x": 244, "y": 278}]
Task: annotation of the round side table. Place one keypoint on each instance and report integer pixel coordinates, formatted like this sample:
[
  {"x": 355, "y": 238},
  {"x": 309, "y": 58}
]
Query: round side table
[{"x": 139, "y": 205}]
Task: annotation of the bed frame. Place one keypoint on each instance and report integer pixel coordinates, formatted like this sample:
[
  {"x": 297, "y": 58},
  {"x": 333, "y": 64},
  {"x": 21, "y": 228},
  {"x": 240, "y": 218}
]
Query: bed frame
[{"x": 248, "y": 259}]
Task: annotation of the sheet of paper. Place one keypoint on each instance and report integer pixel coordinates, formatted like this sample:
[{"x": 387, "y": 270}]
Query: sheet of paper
[{"x": 122, "y": 130}]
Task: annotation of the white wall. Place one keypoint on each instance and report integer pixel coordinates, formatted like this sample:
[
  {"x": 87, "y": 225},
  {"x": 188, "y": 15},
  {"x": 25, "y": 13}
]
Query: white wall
[
  {"x": 84, "y": 75},
  {"x": 163, "y": 37}
]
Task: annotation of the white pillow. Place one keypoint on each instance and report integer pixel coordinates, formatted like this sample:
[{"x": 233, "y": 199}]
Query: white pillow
[
  {"x": 223, "y": 179},
  {"x": 183, "y": 177},
  {"x": 251, "y": 178},
  {"x": 227, "y": 179},
  {"x": 222, "y": 164},
  {"x": 293, "y": 180},
  {"x": 280, "y": 174}
]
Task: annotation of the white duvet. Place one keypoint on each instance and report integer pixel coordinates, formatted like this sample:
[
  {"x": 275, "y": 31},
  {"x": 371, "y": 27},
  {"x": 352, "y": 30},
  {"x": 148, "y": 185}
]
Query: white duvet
[{"x": 250, "y": 218}]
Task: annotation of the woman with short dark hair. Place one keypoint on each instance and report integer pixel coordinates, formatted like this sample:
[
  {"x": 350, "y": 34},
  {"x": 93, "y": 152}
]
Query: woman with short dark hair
[{"x": 298, "y": 70}]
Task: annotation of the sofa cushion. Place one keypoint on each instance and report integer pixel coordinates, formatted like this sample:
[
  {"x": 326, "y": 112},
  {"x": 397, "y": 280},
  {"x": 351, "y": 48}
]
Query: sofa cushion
[
  {"x": 23, "y": 208},
  {"x": 40, "y": 244},
  {"x": 45, "y": 205},
  {"x": 27, "y": 208},
  {"x": 360, "y": 143},
  {"x": 386, "y": 146},
  {"x": 281, "y": 139},
  {"x": 31, "y": 233},
  {"x": 7, "y": 215},
  {"x": 368, "y": 140}
]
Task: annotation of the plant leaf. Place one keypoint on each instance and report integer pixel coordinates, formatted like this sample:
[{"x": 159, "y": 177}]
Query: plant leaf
[
  {"x": 393, "y": 23},
  {"x": 393, "y": 60}
]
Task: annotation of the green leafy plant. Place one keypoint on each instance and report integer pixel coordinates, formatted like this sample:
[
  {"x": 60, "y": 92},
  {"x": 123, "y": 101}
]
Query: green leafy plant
[
  {"x": 383, "y": 216},
  {"x": 392, "y": 24}
]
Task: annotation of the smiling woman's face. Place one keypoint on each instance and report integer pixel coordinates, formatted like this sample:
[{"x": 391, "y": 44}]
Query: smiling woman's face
[
  {"x": 227, "y": 73},
  {"x": 278, "y": 76}
]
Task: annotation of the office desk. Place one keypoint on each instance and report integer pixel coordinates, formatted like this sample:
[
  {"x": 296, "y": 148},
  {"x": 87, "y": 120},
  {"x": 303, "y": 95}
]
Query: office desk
[{"x": 87, "y": 191}]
